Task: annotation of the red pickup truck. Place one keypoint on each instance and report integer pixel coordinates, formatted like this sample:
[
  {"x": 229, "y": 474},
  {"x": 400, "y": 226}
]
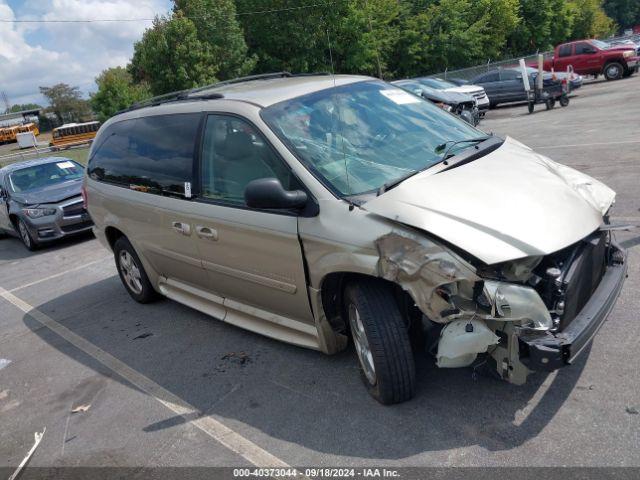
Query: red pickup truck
[{"x": 593, "y": 57}]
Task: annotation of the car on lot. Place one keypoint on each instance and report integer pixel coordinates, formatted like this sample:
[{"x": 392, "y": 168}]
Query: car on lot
[
  {"x": 40, "y": 200},
  {"x": 315, "y": 209},
  {"x": 476, "y": 91},
  {"x": 505, "y": 85},
  {"x": 594, "y": 57},
  {"x": 461, "y": 104}
]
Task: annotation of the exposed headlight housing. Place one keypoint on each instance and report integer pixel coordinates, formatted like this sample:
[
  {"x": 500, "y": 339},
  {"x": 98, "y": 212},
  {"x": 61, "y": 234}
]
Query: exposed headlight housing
[{"x": 39, "y": 212}]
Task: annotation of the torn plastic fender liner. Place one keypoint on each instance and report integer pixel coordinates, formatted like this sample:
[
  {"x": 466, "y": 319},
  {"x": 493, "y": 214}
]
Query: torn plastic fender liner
[{"x": 420, "y": 266}]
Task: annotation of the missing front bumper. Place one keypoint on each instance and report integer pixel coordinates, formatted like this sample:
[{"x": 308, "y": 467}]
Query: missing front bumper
[{"x": 551, "y": 351}]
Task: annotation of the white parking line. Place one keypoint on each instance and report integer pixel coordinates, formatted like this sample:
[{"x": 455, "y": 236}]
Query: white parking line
[
  {"x": 56, "y": 275},
  {"x": 585, "y": 144},
  {"x": 210, "y": 426}
]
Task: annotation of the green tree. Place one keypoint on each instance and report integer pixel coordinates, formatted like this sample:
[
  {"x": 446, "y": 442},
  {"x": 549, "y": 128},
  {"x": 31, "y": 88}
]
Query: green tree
[
  {"x": 454, "y": 34},
  {"x": 25, "y": 106},
  {"x": 535, "y": 29},
  {"x": 116, "y": 91},
  {"x": 218, "y": 28},
  {"x": 366, "y": 36},
  {"x": 171, "y": 57},
  {"x": 626, "y": 13},
  {"x": 590, "y": 20},
  {"x": 290, "y": 40},
  {"x": 67, "y": 102}
]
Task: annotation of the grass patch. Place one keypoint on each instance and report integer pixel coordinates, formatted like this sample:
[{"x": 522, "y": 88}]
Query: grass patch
[{"x": 77, "y": 154}]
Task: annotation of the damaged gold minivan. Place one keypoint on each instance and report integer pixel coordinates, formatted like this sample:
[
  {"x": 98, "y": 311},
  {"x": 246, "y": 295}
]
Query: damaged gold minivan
[{"x": 315, "y": 209}]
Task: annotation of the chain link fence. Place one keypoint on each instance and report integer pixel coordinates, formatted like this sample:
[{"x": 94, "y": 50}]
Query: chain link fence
[{"x": 472, "y": 72}]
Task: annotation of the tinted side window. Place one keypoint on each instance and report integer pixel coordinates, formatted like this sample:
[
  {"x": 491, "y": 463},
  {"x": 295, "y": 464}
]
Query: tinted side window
[
  {"x": 565, "y": 50},
  {"x": 233, "y": 155},
  {"x": 489, "y": 77},
  {"x": 583, "y": 48},
  {"x": 510, "y": 75},
  {"x": 151, "y": 154}
]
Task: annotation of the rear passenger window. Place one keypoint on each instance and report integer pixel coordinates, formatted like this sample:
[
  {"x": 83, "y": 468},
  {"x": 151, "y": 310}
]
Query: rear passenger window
[
  {"x": 233, "y": 155},
  {"x": 565, "y": 51},
  {"x": 150, "y": 154}
]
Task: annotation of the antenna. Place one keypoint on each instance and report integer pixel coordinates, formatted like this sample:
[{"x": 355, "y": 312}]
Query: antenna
[{"x": 5, "y": 99}]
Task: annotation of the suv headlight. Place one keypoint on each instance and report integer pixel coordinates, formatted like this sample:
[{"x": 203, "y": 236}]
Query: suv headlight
[
  {"x": 444, "y": 106},
  {"x": 39, "y": 212},
  {"x": 627, "y": 53}
]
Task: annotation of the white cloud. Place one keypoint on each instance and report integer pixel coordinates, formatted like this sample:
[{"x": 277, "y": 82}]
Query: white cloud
[{"x": 43, "y": 54}]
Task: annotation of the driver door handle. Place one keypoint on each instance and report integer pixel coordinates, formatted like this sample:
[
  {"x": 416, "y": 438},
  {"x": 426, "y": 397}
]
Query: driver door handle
[
  {"x": 183, "y": 228},
  {"x": 207, "y": 232}
]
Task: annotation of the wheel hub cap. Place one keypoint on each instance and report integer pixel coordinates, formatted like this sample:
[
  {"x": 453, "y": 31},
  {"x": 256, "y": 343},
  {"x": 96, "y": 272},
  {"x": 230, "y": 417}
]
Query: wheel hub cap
[
  {"x": 130, "y": 272},
  {"x": 362, "y": 344}
]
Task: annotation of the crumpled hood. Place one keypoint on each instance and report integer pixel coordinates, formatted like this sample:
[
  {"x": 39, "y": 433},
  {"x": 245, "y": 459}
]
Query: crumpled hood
[
  {"x": 509, "y": 204},
  {"x": 51, "y": 194},
  {"x": 466, "y": 89}
]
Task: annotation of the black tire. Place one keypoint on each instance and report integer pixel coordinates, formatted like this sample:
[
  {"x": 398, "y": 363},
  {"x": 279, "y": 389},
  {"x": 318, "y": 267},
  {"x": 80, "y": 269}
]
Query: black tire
[
  {"x": 23, "y": 233},
  {"x": 613, "y": 71},
  {"x": 530, "y": 107},
  {"x": 564, "y": 101},
  {"x": 388, "y": 340},
  {"x": 146, "y": 293},
  {"x": 550, "y": 103}
]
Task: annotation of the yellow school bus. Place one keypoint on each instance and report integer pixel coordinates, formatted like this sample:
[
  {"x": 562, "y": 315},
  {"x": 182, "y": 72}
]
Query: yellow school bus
[
  {"x": 8, "y": 134},
  {"x": 73, "y": 134}
]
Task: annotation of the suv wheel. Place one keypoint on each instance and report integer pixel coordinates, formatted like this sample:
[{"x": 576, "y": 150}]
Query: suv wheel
[
  {"x": 25, "y": 236},
  {"x": 381, "y": 341},
  {"x": 613, "y": 71},
  {"x": 132, "y": 273}
]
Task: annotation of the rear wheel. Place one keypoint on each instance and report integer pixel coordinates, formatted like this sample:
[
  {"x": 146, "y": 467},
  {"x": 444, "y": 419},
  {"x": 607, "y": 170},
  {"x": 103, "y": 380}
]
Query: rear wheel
[
  {"x": 25, "y": 236},
  {"x": 613, "y": 71},
  {"x": 550, "y": 103},
  {"x": 132, "y": 273},
  {"x": 564, "y": 101},
  {"x": 381, "y": 341}
]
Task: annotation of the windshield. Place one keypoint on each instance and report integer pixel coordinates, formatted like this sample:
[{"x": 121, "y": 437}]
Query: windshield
[
  {"x": 436, "y": 83},
  {"x": 360, "y": 136},
  {"x": 44, "y": 175},
  {"x": 600, "y": 45}
]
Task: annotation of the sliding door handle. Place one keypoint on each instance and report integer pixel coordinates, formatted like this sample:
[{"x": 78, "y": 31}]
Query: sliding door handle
[
  {"x": 183, "y": 228},
  {"x": 207, "y": 232}
]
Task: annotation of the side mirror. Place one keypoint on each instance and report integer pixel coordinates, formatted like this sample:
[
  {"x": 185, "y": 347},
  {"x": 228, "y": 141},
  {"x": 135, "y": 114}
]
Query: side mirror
[{"x": 268, "y": 193}]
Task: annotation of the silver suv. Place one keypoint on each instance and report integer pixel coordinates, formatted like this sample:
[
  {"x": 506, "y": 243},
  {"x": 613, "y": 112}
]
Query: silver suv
[{"x": 316, "y": 209}]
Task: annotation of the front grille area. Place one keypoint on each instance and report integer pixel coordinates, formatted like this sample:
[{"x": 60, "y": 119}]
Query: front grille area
[
  {"x": 76, "y": 226},
  {"x": 76, "y": 208},
  {"x": 570, "y": 277}
]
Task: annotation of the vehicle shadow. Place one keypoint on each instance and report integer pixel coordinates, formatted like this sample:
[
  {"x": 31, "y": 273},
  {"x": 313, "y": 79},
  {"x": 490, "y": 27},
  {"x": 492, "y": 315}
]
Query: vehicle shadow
[
  {"x": 293, "y": 394},
  {"x": 11, "y": 248}
]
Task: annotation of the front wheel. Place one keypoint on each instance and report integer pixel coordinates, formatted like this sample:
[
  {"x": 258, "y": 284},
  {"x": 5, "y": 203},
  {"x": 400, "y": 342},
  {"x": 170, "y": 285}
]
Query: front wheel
[
  {"x": 132, "y": 273},
  {"x": 381, "y": 341},
  {"x": 26, "y": 237},
  {"x": 550, "y": 103},
  {"x": 613, "y": 71},
  {"x": 531, "y": 107},
  {"x": 564, "y": 101}
]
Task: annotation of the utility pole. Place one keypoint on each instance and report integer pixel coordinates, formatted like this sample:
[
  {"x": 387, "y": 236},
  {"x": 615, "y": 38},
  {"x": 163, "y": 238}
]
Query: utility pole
[
  {"x": 366, "y": 5},
  {"x": 5, "y": 99}
]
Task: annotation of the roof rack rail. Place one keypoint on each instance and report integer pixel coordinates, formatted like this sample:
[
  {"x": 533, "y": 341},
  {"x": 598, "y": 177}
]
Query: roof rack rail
[{"x": 189, "y": 93}]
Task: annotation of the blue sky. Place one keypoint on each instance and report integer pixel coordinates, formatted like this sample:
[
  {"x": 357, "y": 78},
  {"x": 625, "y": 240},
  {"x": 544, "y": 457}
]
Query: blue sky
[{"x": 43, "y": 54}]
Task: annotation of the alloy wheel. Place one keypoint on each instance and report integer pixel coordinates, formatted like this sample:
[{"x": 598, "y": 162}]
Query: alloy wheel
[
  {"x": 130, "y": 272},
  {"x": 362, "y": 344}
]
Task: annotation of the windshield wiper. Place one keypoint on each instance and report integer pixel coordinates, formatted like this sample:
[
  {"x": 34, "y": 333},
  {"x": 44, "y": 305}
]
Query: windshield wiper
[
  {"x": 453, "y": 144},
  {"x": 389, "y": 185}
]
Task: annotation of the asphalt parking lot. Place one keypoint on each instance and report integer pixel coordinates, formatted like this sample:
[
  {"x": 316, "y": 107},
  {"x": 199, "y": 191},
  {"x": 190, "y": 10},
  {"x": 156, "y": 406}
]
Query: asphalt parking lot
[{"x": 168, "y": 386}]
